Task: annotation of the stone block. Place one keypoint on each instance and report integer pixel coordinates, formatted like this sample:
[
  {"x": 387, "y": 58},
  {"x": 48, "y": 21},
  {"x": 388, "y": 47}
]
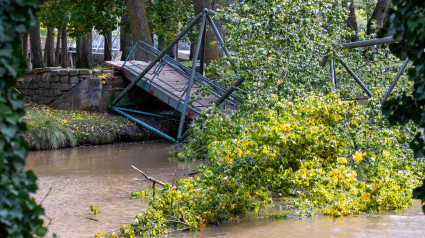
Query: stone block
[
  {"x": 74, "y": 80},
  {"x": 82, "y": 77},
  {"x": 54, "y": 85},
  {"x": 44, "y": 78},
  {"x": 64, "y": 79},
  {"x": 57, "y": 92},
  {"x": 74, "y": 72},
  {"x": 85, "y": 96},
  {"x": 34, "y": 86},
  {"x": 50, "y": 93},
  {"x": 37, "y": 78},
  {"x": 85, "y": 72},
  {"x": 46, "y": 85},
  {"x": 37, "y": 70},
  {"x": 45, "y": 92},
  {"x": 54, "y": 73},
  {"x": 55, "y": 79},
  {"x": 63, "y": 72},
  {"x": 64, "y": 86},
  {"x": 71, "y": 85}
]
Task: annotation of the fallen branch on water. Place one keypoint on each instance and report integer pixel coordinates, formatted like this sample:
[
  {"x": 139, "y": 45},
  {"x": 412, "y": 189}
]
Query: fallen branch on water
[{"x": 149, "y": 178}]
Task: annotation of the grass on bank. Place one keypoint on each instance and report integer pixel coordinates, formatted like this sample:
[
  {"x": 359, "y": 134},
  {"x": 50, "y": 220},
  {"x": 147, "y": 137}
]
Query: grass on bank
[{"x": 51, "y": 129}]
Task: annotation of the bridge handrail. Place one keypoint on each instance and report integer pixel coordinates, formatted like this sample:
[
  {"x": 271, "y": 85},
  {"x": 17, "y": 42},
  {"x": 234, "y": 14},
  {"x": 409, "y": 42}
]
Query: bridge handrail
[{"x": 183, "y": 70}]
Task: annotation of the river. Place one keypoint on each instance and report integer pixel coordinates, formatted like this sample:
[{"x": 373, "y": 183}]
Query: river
[{"x": 73, "y": 179}]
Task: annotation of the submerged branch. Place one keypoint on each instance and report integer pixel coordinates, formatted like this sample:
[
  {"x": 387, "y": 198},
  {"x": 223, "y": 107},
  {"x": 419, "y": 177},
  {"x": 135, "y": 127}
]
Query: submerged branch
[{"x": 147, "y": 177}]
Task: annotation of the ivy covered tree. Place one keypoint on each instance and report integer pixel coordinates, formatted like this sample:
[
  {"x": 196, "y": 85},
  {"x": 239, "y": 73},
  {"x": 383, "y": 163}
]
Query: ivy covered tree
[
  {"x": 406, "y": 23},
  {"x": 19, "y": 214}
]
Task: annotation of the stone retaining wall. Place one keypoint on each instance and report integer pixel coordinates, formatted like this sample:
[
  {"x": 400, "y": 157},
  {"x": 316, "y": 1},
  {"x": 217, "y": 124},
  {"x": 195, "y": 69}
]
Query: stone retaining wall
[{"x": 45, "y": 85}]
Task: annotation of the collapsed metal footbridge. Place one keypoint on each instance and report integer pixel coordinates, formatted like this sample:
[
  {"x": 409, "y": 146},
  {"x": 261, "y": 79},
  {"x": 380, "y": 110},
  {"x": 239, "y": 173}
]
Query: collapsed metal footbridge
[
  {"x": 181, "y": 87},
  {"x": 189, "y": 92}
]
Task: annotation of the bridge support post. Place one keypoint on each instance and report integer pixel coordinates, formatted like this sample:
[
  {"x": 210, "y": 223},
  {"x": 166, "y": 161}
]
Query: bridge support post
[
  {"x": 192, "y": 75},
  {"x": 217, "y": 33},
  {"x": 332, "y": 72},
  {"x": 355, "y": 77},
  {"x": 395, "y": 80}
]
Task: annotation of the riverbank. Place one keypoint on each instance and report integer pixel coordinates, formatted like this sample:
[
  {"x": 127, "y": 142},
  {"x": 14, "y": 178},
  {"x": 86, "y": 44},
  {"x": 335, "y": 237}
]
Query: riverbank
[{"x": 52, "y": 129}]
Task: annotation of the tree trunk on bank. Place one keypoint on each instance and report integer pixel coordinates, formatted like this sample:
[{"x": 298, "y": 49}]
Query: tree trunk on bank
[
  {"x": 78, "y": 49},
  {"x": 86, "y": 51},
  {"x": 36, "y": 54},
  {"x": 212, "y": 47},
  {"x": 351, "y": 19},
  {"x": 25, "y": 47},
  {"x": 191, "y": 51},
  {"x": 58, "y": 44},
  {"x": 107, "y": 46},
  {"x": 49, "y": 48},
  {"x": 378, "y": 15},
  {"x": 64, "y": 51},
  {"x": 139, "y": 25},
  {"x": 162, "y": 43},
  {"x": 125, "y": 39}
]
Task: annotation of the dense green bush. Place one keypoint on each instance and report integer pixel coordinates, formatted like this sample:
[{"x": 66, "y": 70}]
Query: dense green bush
[
  {"x": 315, "y": 154},
  {"x": 19, "y": 214}
]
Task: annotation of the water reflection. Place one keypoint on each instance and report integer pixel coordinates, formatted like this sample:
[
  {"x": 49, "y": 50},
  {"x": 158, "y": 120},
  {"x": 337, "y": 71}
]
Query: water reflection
[{"x": 101, "y": 175}]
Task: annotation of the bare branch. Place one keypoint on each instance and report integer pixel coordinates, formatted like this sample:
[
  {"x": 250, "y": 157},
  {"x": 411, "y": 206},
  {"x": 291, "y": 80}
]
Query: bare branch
[{"x": 147, "y": 177}]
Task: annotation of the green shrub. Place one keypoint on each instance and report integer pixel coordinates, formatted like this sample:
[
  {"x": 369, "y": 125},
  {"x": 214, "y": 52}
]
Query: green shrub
[{"x": 49, "y": 134}]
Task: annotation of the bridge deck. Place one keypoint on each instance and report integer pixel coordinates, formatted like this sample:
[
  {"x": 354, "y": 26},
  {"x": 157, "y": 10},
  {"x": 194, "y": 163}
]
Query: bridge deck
[{"x": 167, "y": 84}]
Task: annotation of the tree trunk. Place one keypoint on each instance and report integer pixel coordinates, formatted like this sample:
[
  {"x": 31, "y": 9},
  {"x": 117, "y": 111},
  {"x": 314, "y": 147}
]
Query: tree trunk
[
  {"x": 351, "y": 18},
  {"x": 191, "y": 51},
  {"x": 139, "y": 25},
  {"x": 78, "y": 49},
  {"x": 58, "y": 44},
  {"x": 86, "y": 51},
  {"x": 212, "y": 47},
  {"x": 107, "y": 46},
  {"x": 36, "y": 54},
  {"x": 25, "y": 47},
  {"x": 49, "y": 47},
  {"x": 125, "y": 40},
  {"x": 162, "y": 43},
  {"x": 64, "y": 53},
  {"x": 378, "y": 15}
]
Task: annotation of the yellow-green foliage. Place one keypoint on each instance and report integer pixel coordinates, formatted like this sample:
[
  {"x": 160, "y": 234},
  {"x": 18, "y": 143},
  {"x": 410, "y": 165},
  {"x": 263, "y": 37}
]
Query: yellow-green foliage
[
  {"x": 50, "y": 128},
  {"x": 317, "y": 153}
]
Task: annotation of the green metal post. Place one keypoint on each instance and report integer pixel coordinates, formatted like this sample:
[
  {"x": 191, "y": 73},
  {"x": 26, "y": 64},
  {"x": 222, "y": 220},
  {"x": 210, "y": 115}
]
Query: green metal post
[
  {"x": 202, "y": 56},
  {"x": 387, "y": 94},
  {"x": 137, "y": 121},
  {"x": 355, "y": 77},
  {"x": 332, "y": 69},
  {"x": 229, "y": 91},
  {"x": 192, "y": 75},
  {"x": 214, "y": 27},
  {"x": 152, "y": 64}
]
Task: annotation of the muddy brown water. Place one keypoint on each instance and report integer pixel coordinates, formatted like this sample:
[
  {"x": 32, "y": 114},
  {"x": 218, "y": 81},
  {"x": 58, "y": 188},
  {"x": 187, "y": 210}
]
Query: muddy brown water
[{"x": 102, "y": 175}]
